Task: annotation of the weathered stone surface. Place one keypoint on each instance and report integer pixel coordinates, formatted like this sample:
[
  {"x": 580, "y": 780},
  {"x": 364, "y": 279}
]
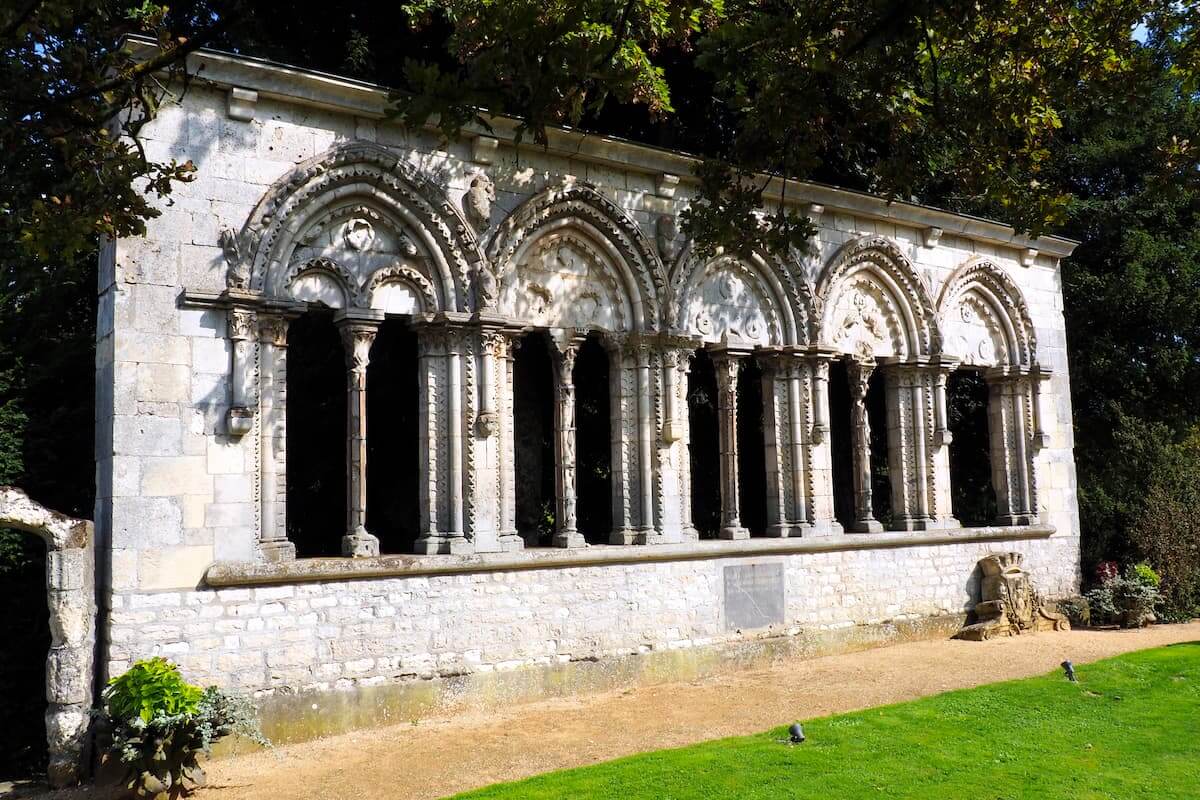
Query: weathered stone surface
[{"x": 576, "y": 239}]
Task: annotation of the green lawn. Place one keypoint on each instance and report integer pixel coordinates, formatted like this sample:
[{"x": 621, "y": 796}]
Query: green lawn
[{"x": 1129, "y": 729}]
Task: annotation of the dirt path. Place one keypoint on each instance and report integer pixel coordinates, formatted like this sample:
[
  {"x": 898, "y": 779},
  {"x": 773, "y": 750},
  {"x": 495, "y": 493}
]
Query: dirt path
[{"x": 440, "y": 757}]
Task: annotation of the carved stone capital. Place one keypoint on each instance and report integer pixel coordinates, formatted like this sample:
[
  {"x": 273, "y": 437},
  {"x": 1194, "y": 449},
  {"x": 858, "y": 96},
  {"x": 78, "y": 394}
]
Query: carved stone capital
[
  {"x": 357, "y": 338},
  {"x": 241, "y": 324},
  {"x": 273, "y": 330}
]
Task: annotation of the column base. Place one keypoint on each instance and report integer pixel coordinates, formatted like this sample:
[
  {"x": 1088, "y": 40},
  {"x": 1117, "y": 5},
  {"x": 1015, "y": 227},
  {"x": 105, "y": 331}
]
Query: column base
[
  {"x": 935, "y": 523},
  {"x": 824, "y": 527},
  {"x": 510, "y": 541},
  {"x": 865, "y": 526},
  {"x": 277, "y": 550},
  {"x": 623, "y": 536},
  {"x": 690, "y": 534},
  {"x": 569, "y": 539},
  {"x": 1009, "y": 520},
  {"x": 442, "y": 544},
  {"x": 360, "y": 544},
  {"x": 734, "y": 532},
  {"x": 780, "y": 530}
]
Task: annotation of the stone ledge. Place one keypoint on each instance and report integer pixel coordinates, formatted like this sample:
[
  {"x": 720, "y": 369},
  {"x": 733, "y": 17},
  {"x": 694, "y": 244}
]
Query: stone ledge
[{"x": 308, "y": 570}]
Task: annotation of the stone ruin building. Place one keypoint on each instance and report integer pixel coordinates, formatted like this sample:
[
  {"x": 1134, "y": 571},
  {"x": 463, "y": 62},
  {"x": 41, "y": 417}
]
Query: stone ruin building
[{"x": 387, "y": 424}]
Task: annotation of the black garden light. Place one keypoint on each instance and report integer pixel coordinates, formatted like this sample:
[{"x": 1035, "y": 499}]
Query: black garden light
[
  {"x": 796, "y": 733},
  {"x": 1069, "y": 669}
]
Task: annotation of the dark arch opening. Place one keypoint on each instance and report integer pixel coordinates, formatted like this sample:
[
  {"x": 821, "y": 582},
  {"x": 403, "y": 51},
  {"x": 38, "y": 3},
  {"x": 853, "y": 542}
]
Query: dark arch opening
[
  {"x": 393, "y": 448},
  {"x": 841, "y": 444},
  {"x": 972, "y": 494},
  {"x": 316, "y": 435},
  {"x": 704, "y": 450},
  {"x": 877, "y": 416},
  {"x": 752, "y": 452},
  {"x": 533, "y": 419},
  {"x": 25, "y": 631},
  {"x": 593, "y": 433}
]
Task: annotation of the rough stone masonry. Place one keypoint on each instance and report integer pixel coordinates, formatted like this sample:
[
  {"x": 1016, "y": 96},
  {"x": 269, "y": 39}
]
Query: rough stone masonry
[{"x": 308, "y": 206}]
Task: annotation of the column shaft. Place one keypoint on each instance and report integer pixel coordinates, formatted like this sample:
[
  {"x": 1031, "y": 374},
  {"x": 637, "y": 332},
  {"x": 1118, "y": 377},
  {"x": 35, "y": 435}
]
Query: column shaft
[
  {"x": 357, "y": 338},
  {"x": 273, "y": 541},
  {"x": 727, "y": 367},
  {"x": 859, "y": 374}
]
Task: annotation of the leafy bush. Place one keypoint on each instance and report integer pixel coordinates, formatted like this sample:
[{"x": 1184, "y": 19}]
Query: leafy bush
[
  {"x": 1078, "y": 611},
  {"x": 1167, "y": 532},
  {"x": 1144, "y": 574},
  {"x": 1127, "y": 600},
  {"x": 158, "y": 726}
]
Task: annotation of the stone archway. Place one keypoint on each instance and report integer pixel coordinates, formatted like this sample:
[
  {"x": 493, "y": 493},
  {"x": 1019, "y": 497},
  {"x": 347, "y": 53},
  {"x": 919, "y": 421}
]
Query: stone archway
[{"x": 70, "y": 588}]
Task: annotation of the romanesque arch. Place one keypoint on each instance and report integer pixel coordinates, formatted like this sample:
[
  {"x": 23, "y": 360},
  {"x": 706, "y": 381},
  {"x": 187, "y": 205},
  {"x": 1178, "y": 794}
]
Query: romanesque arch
[
  {"x": 874, "y": 303},
  {"x": 71, "y": 599},
  {"x": 755, "y": 298},
  {"x": 570, "y": 258},
  {"x": 987, "y": 327},
  {"x": 984, "y": 318},
  {"x": 357, "y": 227},
  {"x": 876, "y": 310}
]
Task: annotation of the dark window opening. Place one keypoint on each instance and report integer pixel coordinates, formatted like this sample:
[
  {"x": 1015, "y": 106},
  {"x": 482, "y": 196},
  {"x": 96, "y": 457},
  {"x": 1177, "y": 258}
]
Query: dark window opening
[
  {"x": 593, "y": 442},
  {"x": 533, "y": 419},
  {"x": 704, "y": 446},
  {"x": 972, "y": 494},
  {"x": 316, "y": 436},
  {"x": 752, "y": 451},
  {"x": 841, "y": 443},
  {"x": 393, "y": 446},
  {"x": 25, "y": 631},
  {"x": 877, "y": 416}
]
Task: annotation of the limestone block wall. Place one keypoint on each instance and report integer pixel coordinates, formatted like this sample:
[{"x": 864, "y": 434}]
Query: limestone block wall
[
  {"x": 177, "y": 492},
  {"x": 347, "y": 635}
]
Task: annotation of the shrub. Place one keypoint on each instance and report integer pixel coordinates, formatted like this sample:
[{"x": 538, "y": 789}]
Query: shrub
[
  {"x": 1125, "y": 600},
  {"x": 1144, "y": 574},
  {"x": 1078, "y": 611},
  {"x": 1168, "y": 534},
  {"x": 158, "y": 726}
]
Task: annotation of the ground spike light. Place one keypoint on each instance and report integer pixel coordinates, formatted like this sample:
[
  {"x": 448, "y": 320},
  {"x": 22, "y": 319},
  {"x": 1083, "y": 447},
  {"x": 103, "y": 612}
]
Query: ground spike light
[
  {"x": 796, "y": 733},
  {"x": 1069, "y": 669}
]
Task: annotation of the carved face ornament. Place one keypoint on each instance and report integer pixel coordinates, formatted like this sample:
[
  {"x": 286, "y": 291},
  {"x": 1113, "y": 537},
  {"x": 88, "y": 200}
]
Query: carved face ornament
[{"x": 359, "y": 234}]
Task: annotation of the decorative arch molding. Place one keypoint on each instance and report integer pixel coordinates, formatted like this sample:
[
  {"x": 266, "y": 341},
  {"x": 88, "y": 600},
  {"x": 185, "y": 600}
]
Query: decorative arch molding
[
  {"x": 318, "y": 279},
  {"x": 578, "y": 214},
  {"x": 731, "y": 293},
  {"x": 373, "y": 178},
  {"x": 985, "y": 318},
  {"x": 400, "y": 273},
  {"x": 70, "y": 596},
  {"x": 874, "y": 303}
]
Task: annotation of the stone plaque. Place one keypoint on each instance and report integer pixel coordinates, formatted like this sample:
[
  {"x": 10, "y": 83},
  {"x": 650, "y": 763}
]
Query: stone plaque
[{"x": 754, "y": 595}]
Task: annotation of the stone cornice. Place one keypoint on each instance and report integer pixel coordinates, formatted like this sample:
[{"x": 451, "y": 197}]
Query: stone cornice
[
  {"x": 308, "y": 570},
  {"x": 321, "y": 90}
]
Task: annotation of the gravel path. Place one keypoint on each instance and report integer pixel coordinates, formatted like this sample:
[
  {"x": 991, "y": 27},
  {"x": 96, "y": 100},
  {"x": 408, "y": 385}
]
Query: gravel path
[{"x": 440, "y": 757}]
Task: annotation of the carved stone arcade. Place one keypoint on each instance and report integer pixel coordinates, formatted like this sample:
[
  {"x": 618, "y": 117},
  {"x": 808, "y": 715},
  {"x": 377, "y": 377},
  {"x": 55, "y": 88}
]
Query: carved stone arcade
[{"x": 363, "y": 232}]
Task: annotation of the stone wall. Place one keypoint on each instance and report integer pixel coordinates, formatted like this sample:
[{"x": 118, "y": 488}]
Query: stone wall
[{"x": 177, "y": 491}]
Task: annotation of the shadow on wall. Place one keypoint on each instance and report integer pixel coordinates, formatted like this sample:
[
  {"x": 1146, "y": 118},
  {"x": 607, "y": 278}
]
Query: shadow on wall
[{"x": 25, "y": 632}]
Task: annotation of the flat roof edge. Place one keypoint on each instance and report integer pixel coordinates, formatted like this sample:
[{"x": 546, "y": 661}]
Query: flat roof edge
[{"x": 314, "y": 89}]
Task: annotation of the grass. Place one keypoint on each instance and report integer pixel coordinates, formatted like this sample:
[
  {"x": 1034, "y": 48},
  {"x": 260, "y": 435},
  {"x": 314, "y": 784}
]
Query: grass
[{"x": 1129, "y": 729}]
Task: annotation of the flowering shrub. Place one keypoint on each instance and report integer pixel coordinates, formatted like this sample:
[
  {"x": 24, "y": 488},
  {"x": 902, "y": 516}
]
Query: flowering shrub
[
  {"x": 1126, "y": 599},
  {"x": 158, "y": 726}
]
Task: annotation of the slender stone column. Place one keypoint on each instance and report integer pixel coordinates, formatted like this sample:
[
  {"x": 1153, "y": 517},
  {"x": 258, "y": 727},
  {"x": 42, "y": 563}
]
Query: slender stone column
[
  {"x": 621, "y": 410},
  {"x": 243, "y": 333},
  {"x": 566, "y": 345},
  {"x": 357, "y": 337},
  {"x": 819, "y": 452},
  {"x": 727, "y": 365},
  {"x": 645, "y": 440},
  {"x": 941, "y": 507},
  {"x": 682, "y": 431},
  {"x": 859, "y": 374},
  {"x": 777, "y": 435},
  {"x": 800, "y": 508},
  {"x": 509, "y": 536},
  {"x": 1009, "y": 445},
  {"x": 273, "y": 543}
]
